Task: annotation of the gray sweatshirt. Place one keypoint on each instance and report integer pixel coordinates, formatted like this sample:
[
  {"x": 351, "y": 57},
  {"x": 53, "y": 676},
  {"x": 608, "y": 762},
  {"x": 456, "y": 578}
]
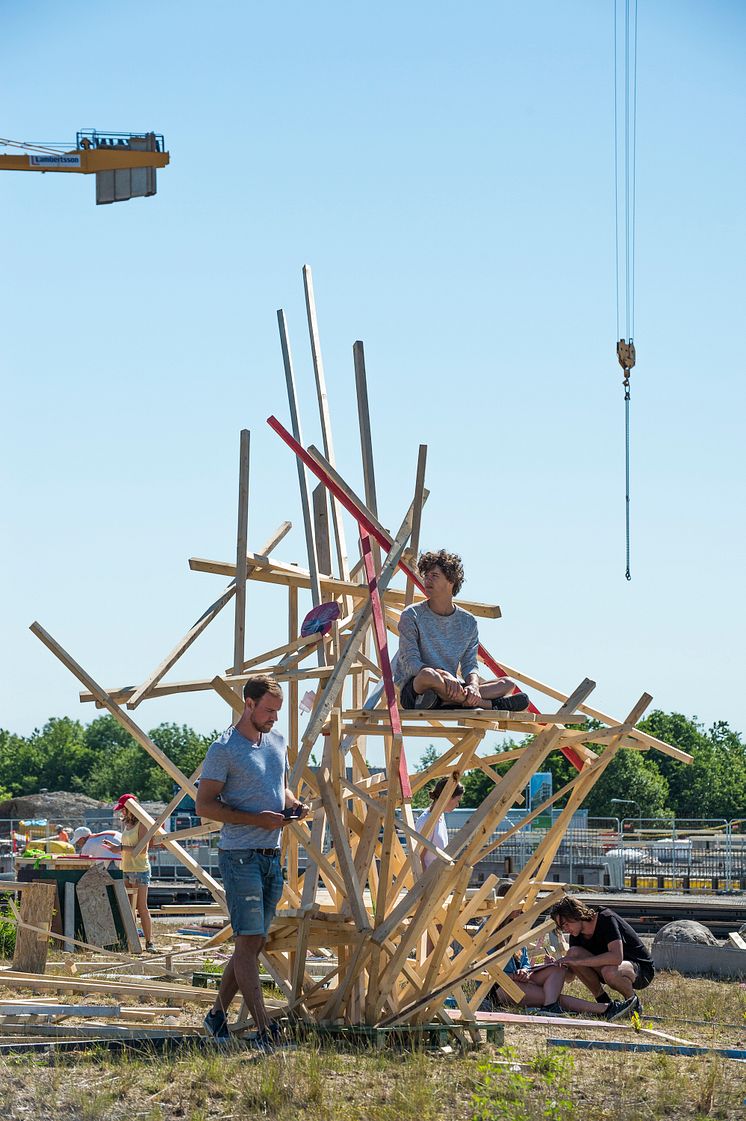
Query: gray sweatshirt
[{"x": 439, "y": 641}]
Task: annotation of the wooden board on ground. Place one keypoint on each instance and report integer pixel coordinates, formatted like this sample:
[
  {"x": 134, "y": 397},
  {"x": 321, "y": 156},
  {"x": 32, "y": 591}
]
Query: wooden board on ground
[{"x": 95, "y": 908}]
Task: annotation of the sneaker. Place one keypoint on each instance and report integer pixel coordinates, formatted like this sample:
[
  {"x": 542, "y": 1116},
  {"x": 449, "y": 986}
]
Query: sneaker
[
  {"x": 554, "y": 1009},
  {"x": 603, "y": 997},
  {"x": 216, "y": 1023},
  {"x": 516, "y": 702},
  {"x": 618, "y": 1009},
  {"x": 263, "y": 1042},
  {"x": 428, "y": 699},
  {"x": 150, "y": 948}
]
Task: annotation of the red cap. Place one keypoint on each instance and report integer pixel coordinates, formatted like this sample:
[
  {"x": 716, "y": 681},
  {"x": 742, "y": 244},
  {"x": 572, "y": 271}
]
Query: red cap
[{"x": 121, "y": 802}]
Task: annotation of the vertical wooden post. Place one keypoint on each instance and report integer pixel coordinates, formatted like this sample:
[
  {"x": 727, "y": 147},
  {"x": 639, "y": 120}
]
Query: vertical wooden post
[
  {"x": 37, "y": 906},
  {"x": 321, "y": 534},
  {"x": 302, "y": 480},
  {"x": 419, "y": 493},
  {"x": 326, "y": 428},
  {"x": 366, "y": 440},
  {"x": 241, "y": 550},
  {"x": 69, "y": 915}
]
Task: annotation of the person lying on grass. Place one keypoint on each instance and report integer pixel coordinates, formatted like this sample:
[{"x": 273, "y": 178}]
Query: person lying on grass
[{"x": 542, "y": 986}]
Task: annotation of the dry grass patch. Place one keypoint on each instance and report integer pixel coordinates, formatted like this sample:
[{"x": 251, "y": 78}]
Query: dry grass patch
[{"x": 525, "y": 1082}]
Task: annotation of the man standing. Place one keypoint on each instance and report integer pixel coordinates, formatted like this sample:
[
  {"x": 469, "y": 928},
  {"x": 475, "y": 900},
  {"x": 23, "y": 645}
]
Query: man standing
[
  {"x": 603, "y": 948},
  {"x": 438, "y": 643},
  {"x": 244, "y": 785}
]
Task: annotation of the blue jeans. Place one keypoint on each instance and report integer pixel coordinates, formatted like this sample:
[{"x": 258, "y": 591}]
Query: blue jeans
[
  {"x": 136, "y": 878},
  {"x": 253, "y": 887}
]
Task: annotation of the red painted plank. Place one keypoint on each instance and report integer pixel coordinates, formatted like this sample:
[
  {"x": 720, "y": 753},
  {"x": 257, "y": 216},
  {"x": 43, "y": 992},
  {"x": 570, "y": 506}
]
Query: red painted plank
[
  {"x": 379, "y": 630},
  {"x": 365, "y": 523}
]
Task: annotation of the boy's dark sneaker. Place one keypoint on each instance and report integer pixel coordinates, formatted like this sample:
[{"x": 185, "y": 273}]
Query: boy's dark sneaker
[
  {"x": 517, "y": 702},
  {"x": 216, "y": 1023},
  {"x": 603, "y": 997},
  {"x": 263, "y": 1042},
  {"x": 270, "y": 1041},
  {"x": 618, "y": 1009},
  {"x": 554, "y": 1009},
  {"x": 428, "y": 699}
]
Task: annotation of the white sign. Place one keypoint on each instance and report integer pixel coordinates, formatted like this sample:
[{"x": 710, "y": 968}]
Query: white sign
[
  {"x": 307, "y": 701},
  {"x": 54, "y": 161}
]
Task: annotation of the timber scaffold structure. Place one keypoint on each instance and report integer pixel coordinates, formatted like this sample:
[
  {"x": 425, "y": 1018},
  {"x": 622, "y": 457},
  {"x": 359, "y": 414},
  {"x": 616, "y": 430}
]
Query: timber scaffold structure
[{"x": 398, "y": 940}]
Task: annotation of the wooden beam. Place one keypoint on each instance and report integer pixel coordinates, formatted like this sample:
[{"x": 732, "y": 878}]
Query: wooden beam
[
  {"x": 324, "y": 416},
  {"x": 419, "y": 489},
  {"x": 122, "y": 717},
  {"x": 302, "y": 480},
  {"x": 242, "y": 533},
  {"x": 336, "y": 681},
  {"x": 275, "y": 572}
]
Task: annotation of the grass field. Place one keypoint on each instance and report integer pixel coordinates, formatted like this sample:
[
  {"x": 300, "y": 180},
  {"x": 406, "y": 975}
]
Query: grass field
[{"x": 524, "y": 1081}]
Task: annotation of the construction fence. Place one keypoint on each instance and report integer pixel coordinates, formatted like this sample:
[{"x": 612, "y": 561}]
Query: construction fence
[{"x": 637, "y": 854}]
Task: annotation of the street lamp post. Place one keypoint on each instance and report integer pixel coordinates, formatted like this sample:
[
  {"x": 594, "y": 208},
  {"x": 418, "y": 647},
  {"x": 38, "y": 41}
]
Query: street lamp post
[{"x": 629, "y": 802}]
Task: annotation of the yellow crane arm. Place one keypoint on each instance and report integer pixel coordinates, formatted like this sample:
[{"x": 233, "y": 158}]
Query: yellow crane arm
[{"x": 85, "y": 161}]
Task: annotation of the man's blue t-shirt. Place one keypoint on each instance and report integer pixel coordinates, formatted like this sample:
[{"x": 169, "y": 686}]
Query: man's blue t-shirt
[{"x": 254, "y": 778}]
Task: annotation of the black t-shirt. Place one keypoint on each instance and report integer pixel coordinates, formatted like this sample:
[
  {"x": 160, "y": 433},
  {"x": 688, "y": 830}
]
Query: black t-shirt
[{"x": 611, "y": 927}]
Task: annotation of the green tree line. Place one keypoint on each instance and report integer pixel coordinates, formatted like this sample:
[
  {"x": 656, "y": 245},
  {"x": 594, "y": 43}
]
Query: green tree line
[
  {"x": 712, "y": 786},
  {"x": 102, "y": 760}
]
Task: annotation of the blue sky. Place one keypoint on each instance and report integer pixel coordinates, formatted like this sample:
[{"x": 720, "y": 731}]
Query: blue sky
[{"x": 447, "y": 171}]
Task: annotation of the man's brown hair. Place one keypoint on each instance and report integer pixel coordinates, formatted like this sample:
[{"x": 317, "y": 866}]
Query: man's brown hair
[
  {"x": 572, "y": 909},
  {"x": 450, "y": 565},
  {"x": 257, "y": 686}
]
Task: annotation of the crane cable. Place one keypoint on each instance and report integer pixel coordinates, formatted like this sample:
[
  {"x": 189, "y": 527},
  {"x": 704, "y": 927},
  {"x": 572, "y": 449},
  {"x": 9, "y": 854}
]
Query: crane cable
[
  {"x": 52, "y": 147},
  {"x": 625, "y": 107}
]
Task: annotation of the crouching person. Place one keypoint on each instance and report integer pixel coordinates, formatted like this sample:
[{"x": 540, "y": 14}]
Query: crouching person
[{"x": 604, "y": 949}]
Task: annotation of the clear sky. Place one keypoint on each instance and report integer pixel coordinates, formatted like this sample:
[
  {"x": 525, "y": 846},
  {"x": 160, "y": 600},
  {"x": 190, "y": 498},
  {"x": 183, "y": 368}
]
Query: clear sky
[{"x": 447, "y": 171}]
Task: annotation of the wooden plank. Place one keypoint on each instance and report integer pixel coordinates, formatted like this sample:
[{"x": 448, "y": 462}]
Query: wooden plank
[
  {"x": 337, "y": 678},
  {"x": 15, "y": 979},
  {"x": 242, "y": 534},
  {"x": 274, "y": 572},
  {"x": 379, "y": 633},
  {"x": 377, "y": 808},
  {"x": 419, "y": 489},
  {"x": 296, "y": 643},
  {"x": 541, "y": 859},
  {"x": 494, "y": 806},
  {"x": 38, "y": 901},
  {"x": 321, "y": 534},
  {"x": 735, "y": 939},
  {"x": 224, "y": 690},
  {"x": 164, "y": 815},
  {"x": 302, "y": 480},
  {"x": 69, "y": 916},
  {"x": 80, "y": 1011},
  {"x": 119, "y": 714},
  {"x": 596, "y": 714},
  {"x": 215, "y": 889},
  {"x": 134, "y": 696},
  {"x": 44, "y": 934},
  {"x": 324, "y": 416},
  {"x": 354, "y": 891},
  {"x": 93, "y": 901},
  {"x": 660, "y": 1048},
  {"x": 128, "y": 919},
  {"x": 366, "y": 439}
]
